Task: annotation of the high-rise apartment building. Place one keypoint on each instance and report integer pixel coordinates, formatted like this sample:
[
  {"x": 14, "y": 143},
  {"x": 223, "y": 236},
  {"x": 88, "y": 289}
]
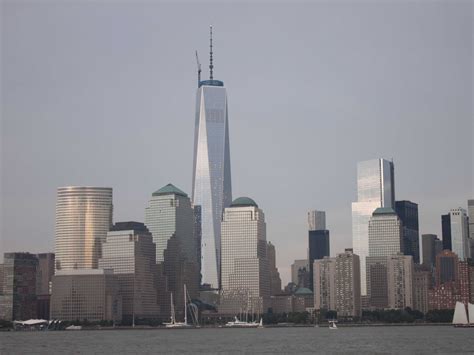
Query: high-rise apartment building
[
  {"x": 375, "y": 188},
  {"x": 316, "y": 220},
  {"x": 130, "y": 252},
  {"x": 171, "y": 220},
  {"x": 245, "y": 274},
  {"x": 324, "y": 281},
  {"x": 400, "y": 270},
  {"x": 347, "y": 283},
  {"x": 431, "y": 246},
  {"x": 408, "y": 213},
  {"x": 275, "y": 280},
  {"x": 211, "y": 170},
  {"x": 18, "y": 301},
  {"x": 83, "y": 218},
  {"x": 385, "y": 233}
]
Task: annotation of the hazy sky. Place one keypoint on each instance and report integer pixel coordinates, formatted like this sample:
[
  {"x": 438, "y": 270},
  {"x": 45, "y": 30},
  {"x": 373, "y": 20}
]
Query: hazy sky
[{"x": 103, "y": 93}]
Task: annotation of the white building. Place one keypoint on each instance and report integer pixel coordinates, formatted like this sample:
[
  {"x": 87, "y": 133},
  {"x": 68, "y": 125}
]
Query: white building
[
  {"x": 245, "y": 273},
  {"x": 316, "y": 220},
  {"x": 460, "y": 242},
  {"x": 375, "y": 188}
]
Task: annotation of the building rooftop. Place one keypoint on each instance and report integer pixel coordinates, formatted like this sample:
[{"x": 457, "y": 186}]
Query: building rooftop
[
  {"x": 243, "y": 202},
  {"x": 169, "y": 189},
  {"x": 303, "y": 291},
  {"x": 126, "y": 226},
  {"x": 383, "y": 210}
]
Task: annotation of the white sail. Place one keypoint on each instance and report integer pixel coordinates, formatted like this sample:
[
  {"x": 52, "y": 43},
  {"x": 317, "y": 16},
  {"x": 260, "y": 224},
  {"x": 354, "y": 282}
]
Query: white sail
[
  {"x": 460, "y": 315},
  {"x": 470, "y": 311}
]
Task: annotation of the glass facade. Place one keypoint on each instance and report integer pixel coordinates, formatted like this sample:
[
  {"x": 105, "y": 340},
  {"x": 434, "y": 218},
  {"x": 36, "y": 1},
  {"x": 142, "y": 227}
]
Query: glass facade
[
  {"x": 460, "y": 233},
  {"x": 318, "y": 248},
  {"x": 375, "y": 188},
  {"x": 211, "y": 175},
  {"x": 408, "y": 213},
  {"x": 83, "y": 218}
]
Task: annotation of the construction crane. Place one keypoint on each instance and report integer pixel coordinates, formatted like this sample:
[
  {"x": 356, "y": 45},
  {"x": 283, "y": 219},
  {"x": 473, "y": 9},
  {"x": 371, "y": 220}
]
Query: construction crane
[{"x": 199, "y": 68}]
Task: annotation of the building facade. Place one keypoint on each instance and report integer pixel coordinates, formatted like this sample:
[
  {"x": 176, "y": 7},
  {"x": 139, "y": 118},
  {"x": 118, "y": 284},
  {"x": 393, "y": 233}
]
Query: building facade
[
  {"x": 44, "y": 276},
  {"x": 212, "y": 189},
  {"x": 407, "y": 211},
  {"x": 460, "y": 233},
  {"x": 375, "y": 188},
  {"x": 324, "y": 281},
  {"x": 275, "y": 280},
  {"x": 347, "y": 283},
  {"x": 377, "y": 282},
  {"x": 245, "y": 273},
  {"x": 421, "y": 285},
  {"x": 297, "y": 268},
  {"x": 431, "y": 246},
  {"x": 385, "y": 233},
  {"x": 130, "y": 252},
  {"x": 400, "y": 271},
  {"x": 83, "y": 218},
  {"x": 318, "y": 248},
  {"x": 316, "y": 220},
  {"x": 18, "y": 301}
]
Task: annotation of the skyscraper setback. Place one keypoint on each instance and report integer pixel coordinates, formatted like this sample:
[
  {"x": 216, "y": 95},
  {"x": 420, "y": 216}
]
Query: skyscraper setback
[
  {"x": 212, "y": 189},
  {"x": 375, "y": 188}
]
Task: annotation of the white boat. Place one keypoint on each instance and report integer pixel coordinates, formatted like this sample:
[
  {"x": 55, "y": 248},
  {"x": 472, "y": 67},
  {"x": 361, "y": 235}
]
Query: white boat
[
  {"x": 332, "y": 324},
  {"x": 260, "y": 325},
  {"x": 74, "y": 327},
  {"x": 173, "y": 323},
  {"x": 461, "y": 318},
  {"x": 236, "y": 323}
]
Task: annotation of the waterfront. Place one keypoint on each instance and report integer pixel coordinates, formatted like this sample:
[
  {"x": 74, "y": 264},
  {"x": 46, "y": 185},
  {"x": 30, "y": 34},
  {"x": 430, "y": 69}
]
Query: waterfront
[{"x": 366, "y": 340}]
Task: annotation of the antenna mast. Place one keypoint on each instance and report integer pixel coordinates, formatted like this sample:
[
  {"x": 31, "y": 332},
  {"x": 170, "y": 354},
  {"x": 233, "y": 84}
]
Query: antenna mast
[
  {"x": 211, "y": 66},
  {"x": 199, "y": 68}
]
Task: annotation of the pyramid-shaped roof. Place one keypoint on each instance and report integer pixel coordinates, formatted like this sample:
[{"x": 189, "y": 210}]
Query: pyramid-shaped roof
[{"x": 169, "y": 189}]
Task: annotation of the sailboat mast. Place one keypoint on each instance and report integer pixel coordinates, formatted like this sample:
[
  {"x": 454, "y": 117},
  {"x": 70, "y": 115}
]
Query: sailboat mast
[{"x": 185, "y": 307}]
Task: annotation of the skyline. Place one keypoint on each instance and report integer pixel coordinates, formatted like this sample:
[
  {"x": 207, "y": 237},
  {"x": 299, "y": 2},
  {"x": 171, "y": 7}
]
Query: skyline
[{"x": 104, "y": 109}]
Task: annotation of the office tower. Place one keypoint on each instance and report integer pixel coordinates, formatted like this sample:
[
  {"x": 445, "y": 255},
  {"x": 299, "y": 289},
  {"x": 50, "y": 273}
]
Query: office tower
[
  {"x": 275, "y": 280},
  {"x": 245, "y": 274},
  {"x": 130, "y": 252},
  {"x": 431, "y": 246},
  {"x": 446, "y": 231},
  {"x": 91, "y": 294},
  {"x": 316, "y": 220},
  {"x": 44, "y": 275},
  {"x": 297, "y": 268},
  {"x": 408, "y": 213},
  {"x": 324, "y": 282},
  {"x": 347, "y": 284},
  {"x": 211, "y": 170},
  {"x": 18, "y": 301},
  {"x": 385, "y": 233},
  {"x": 318, "y": 242},
  {"x": 446, "y": 267},
  {"x": 400, "y": 270},
  {"x": 470, "y": 212},
  {"x": 460, "y": 233},
  {"x": 421, "y": 285},
  {"x": 377, "y": 282},
  {"x": 83, "y": 218},
  {"x": 171, "y": 220},
  {"x": 375, "y": 188}
]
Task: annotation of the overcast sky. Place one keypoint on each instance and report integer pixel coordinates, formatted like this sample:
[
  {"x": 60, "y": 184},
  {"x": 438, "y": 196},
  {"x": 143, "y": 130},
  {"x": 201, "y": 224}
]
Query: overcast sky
[{"x": 103, "y": 93}]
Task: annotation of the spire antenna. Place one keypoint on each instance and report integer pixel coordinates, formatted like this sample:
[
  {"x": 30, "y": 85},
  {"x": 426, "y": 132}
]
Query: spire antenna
[{"x": 211, "y": 66}]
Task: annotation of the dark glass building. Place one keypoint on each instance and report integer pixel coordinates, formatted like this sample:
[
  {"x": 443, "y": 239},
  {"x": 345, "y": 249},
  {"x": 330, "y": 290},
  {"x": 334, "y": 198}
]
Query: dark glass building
[
  {"x": 431, "y": 247},
  {"x": 408, "y": 213},
  {"x": 446, "y": 231},
  {"x": 318, "y": 242}
]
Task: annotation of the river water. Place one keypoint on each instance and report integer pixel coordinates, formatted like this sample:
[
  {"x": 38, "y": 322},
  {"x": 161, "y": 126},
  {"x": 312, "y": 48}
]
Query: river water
[{"x": 363, "y": 340}]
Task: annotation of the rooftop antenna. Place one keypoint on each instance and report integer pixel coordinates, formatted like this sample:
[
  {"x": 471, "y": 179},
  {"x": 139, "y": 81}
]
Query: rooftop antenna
[
  {"x": 199, "y": 68},
  {"x": 210, "y": 54}
]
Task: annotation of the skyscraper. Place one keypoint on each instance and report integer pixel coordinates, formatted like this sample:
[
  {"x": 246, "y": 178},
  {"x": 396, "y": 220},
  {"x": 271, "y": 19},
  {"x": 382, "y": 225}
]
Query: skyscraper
[
  {"x": 431, "y": 246},
  {"x": 455, "y": 229},
  {"x": 318, "y": 240},
  {"x": 470, "y": 212},
  {"x": 316, "y": 220},
  {"x": 324, "y": 281},
  {"x": 212, "y": 189},
  {"x": 408, "y": 213},
  {"x": 275, "y": 280},
  {"x": 348, "y": 303},
  {"x": 375, "y": 188},
  {"x": 400, "y": 281},
  {"x": 245, "y": 274},
  {"x": 385, "y": 233},
  {"x": 44, "y": 276},
  {"x": 446, "y": 231},
  {"x": 83, "y": 218}
]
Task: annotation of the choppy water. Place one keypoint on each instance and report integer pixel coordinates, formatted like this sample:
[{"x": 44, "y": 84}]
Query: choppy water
[{"x": 367, "y": 340}]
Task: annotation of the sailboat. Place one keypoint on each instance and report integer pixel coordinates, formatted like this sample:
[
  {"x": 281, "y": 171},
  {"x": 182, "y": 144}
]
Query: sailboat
[
  {"x": 461, "y": 318},
  {"x": 332, "y": 324},
  {"x": 237, "y": 323},
  {"x": 173, "y": 323}
]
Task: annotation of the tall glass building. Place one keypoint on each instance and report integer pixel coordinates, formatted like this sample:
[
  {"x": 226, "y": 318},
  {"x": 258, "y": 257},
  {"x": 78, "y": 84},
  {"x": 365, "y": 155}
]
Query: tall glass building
[
  {"x": 83, "y": 218},
  {"x": 211, "y": 172},
  {"x": 375, "y": 188}
]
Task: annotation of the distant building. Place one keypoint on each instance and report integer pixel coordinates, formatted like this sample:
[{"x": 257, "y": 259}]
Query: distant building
[
  {"x": 318, "y": 242},
  {"x": 171, "y": 220},
  {"x": 83, "y": 218},
  {"x": 347, "y": 284},
  {"x": 245, "y": 274},
  {"x": 408, "y": 213},
  {"x": 130, "y": 252},
  {"x": 446, "y": 231},
  {"x": 446, "y": 267},
  {"x": 400, "y": 281},
  {"x": 316, "y": 220},
  {"x": 377, "y": 282},
  {"x": 304, "y": 299},
  {"x": 44, "y": 275},
  {"x": 421, "y": 285},
  {"x": 470, "y": 212},
  {"x": 375, "y": 188},
  {"x": 275, "y": 280},
  {"x": 431, "y": 246},
  {"x": 298, "y": 268},
  {"x": 18, "y": 301},
  {"x": 385, "y": 233},
  {"x": 86, "y": 294},
  {"x": 325, "y": 283},
  {"x": 460, "y": 233}
]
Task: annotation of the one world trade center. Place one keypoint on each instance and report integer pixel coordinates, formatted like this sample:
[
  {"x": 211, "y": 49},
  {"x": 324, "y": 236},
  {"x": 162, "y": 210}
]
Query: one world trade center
[{"x": 212, "y": 189}]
